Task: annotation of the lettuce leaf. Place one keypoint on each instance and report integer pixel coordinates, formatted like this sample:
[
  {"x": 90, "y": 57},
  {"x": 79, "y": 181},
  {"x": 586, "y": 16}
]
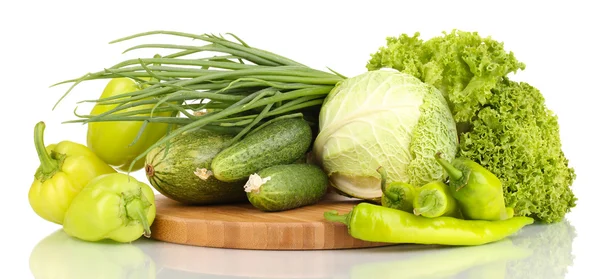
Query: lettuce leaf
[
  {"x": 517, "y": 138},
  {"x": 503, "y": 125}
]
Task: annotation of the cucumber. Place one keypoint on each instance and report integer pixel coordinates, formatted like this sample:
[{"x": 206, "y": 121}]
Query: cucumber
[
  {"x": 284, "y": 187},
  {"x": 281, "y": 142},
  {"x": 177, "y": 173}
]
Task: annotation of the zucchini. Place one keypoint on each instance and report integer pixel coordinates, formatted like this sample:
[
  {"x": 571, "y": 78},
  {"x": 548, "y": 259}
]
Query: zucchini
[
  {"x": 281, "y": 142},
  {"x": 178, "y": 173},
  {"x": 284, "y": 187}
]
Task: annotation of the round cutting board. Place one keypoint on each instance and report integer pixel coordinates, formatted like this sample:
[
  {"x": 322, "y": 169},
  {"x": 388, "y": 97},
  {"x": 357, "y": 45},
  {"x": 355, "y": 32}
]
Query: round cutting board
[{"x": 241, "y": 226}]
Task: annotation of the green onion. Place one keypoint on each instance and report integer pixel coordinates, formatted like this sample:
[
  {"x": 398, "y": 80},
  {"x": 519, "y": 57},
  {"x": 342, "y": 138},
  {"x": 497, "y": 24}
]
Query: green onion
[{"x": 239, "y": 90}]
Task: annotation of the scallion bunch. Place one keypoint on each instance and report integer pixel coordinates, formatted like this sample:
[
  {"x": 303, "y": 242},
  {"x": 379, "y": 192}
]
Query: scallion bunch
[{"x": 232, "y": 87}]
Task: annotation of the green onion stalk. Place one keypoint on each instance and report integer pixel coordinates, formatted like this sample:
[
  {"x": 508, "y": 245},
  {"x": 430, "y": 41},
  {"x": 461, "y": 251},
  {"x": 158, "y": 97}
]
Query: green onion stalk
[{"x": 223, "y": 85}]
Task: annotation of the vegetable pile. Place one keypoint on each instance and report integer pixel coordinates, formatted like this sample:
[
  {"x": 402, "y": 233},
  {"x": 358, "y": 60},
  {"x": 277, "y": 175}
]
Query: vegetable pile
[
  {"x": 434, "y": 139},
  {"x": 74, "y": 188},
  {"x": 503, "y": 125}
]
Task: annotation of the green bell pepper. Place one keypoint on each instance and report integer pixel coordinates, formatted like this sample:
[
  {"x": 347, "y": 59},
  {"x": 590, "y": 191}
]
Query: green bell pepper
[
  {"x": 118, "y": 142},
  {"x": 112, "y": 206}
]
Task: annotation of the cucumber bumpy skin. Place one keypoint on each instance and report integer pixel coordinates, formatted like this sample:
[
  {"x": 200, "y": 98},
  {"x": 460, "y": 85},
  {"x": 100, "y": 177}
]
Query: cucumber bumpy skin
[
  {"x": 177, "y": 174},
  {"x": 285, "y": 187},
  {"x": 282, "y": 142}
]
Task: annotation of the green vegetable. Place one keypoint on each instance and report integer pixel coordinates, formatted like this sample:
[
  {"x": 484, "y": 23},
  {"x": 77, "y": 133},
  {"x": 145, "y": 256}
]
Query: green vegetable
[
  {"x": 65, "y": 168},
  {"x": 281, "y": 142},
  {"x": 118, "y": 142},
  {"x": 284, "y": 187},
  {"x": 180, "y": 169},
  {"x": 503, "y": 125},
  {"x": 540, "y": 251},
  {"x": 383, "y": 118},
  {"x": 398, "y": 195},
  {"x": 234, "y": 87},
  {"x": 434, "y": 199},
  {"x": 370, "y": 222},
  {"x": 478, "y": 191},
  {"x": 61, "y": 256},
  {"x": 462, "y": 65},
  {"x": 111, "y": 207}
]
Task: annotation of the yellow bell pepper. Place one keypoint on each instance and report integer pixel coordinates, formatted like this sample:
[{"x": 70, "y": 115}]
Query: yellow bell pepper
[
  {"x": 112, "y": 206},
  {"x": 65, "y": 168},
  {"x": 112, "y": 140}
]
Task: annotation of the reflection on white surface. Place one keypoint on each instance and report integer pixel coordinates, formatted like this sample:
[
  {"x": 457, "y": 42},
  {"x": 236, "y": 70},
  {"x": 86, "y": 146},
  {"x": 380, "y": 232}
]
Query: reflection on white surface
[
  {"x": 61, "y": 256},
  {"x": 538, "y": 251}
]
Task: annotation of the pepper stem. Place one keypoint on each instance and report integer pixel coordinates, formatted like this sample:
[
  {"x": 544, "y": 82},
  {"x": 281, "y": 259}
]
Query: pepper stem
[
  {"x": 333, "y": 216},
  {"x": 429, "y": 205},
  {"x": 453, "y": 172},
  {"x": 48, "y": 165},
  {"x": 392, "y": 196},
  {"x": 421, "y": 210},
  {"x": 135, "y": 210}
]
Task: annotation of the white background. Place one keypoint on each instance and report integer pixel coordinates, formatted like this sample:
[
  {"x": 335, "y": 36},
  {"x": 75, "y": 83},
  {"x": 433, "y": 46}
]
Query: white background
[{"x": 43, "y": 42}]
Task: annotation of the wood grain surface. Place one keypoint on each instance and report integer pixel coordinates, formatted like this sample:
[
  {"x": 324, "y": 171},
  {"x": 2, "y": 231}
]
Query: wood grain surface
[{"x": 241, "y": 226}]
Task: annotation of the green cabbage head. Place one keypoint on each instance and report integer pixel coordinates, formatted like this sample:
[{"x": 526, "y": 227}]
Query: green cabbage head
[{"x": 383, "y": 118}]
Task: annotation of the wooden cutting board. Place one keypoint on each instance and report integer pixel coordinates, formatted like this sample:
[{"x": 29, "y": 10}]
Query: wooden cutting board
[{"x": 241, "y": 226}]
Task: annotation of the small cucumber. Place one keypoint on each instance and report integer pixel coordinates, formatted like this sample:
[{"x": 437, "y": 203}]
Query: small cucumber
[
  {"x": 284, "y": 187},
  {"x": 281, "y": 142}
]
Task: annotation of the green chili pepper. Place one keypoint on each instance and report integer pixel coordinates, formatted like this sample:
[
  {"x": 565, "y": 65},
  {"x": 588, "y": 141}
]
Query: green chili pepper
[
  {"x": 434, "y": 199},
  {"x": 398, "y": 195},
  {"x": 478, "y": 191},
  {"x": 376, "y": 223},
  {"x": 112, "y": 206}
]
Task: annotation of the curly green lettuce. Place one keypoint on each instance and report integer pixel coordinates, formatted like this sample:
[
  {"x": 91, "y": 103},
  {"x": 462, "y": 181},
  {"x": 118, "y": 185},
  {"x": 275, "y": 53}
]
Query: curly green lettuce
[{"x": 503, "y": 125}]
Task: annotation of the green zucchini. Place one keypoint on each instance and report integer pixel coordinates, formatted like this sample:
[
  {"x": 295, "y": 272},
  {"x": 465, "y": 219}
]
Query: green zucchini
[
  {"x": 284, "y": 187},
  {"x": 281, "y": 142},
  {"x": 178, "y": 173}
]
